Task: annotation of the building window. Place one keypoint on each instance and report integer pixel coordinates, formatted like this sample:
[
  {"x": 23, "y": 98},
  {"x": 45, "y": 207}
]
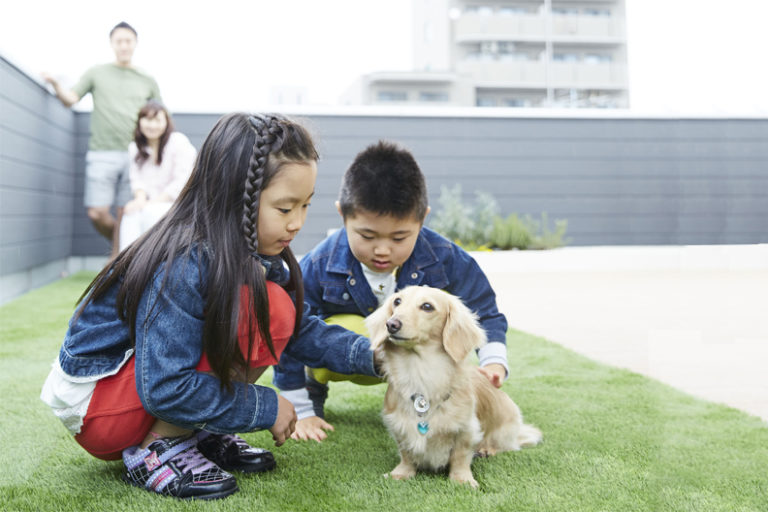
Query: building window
[
  {"x": 565, "y": 57},
  {"x": 484, "y": 101},
  {"x": 392, "y": 96},
  {"x": 433, "y": 96},
  {"x": 597, "y": 58},
  {"x": 506, "y": 46},
  {"x": 513, "y": 11},
  {"x": 516, "y": 102},
  {"x": 485, "y": 10},
  {"x": 597, "y": 12}
]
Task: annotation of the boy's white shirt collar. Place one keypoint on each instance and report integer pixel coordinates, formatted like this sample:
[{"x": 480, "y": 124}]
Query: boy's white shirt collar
[{"x": 382, "y": 283}]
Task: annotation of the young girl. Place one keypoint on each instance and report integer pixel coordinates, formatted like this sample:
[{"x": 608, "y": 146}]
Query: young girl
[
  {"x": 157, "y": 363},
  {"x": 161, "y": 162}
]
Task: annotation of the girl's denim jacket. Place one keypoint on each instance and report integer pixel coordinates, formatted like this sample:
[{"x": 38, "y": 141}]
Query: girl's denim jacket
[
  {"x": 168, "y": 347},
  {"x": 334, "y": 283}
]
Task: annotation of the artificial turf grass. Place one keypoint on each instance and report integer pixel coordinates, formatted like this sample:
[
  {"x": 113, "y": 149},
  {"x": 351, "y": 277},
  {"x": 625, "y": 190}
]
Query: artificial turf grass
[{"x": 613, "y": 440}]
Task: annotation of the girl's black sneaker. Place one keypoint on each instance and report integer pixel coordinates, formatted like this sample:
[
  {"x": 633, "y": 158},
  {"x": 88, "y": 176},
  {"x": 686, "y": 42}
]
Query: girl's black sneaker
[{"x": 232, "y": 453}]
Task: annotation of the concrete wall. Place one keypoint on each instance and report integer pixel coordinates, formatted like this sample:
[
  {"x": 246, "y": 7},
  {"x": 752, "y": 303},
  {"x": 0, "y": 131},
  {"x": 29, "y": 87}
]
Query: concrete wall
[{"x": 617, "y": 180}]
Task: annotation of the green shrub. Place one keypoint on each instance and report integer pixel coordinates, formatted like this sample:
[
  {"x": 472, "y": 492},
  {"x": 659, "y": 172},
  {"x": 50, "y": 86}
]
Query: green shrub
[
  {"x": 454, "y": 219},
  {"x": 483, "y": 216},
  {"x": 509, "y": 233},
  {"x": 480, "y": 227},
  {"x": 543, "y": 238}
]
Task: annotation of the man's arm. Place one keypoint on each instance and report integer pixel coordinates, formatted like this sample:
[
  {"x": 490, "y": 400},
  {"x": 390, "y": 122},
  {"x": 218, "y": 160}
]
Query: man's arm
[{"x": 67, "y": 97}]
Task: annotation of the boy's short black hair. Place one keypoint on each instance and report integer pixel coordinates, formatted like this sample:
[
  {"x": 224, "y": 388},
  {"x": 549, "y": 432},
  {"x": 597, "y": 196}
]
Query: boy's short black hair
[
  {"x": 123, "y": 24},
  {"x": 386, "y": 180}
]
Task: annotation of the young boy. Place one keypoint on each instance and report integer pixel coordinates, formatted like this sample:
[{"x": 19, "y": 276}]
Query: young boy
[{"x": 383, "y": 247}]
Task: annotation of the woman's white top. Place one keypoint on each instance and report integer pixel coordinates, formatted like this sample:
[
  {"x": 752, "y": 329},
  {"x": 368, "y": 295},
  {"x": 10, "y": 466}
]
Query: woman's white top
[{"x": 171, "y": 175}]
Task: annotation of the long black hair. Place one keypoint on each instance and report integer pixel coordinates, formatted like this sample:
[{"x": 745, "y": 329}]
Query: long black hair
[{"x": 217, "y": 212}]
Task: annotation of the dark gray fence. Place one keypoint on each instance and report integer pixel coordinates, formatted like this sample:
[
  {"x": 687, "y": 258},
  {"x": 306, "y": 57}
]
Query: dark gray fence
[
  {"x": 38, "y": 156},
  {"x": 617, "y": 180}
]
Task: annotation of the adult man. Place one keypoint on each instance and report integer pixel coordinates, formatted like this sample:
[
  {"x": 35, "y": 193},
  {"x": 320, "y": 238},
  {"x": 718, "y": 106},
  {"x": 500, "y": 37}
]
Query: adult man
[{"x": 119, "y": 90}]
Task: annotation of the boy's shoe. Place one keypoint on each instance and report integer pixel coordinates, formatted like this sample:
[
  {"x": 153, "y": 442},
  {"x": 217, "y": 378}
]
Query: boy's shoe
[
  {"x": 175, "y": 467},
  {"x": 232, "y": 453},
  {"x": 318, "y": 393}
]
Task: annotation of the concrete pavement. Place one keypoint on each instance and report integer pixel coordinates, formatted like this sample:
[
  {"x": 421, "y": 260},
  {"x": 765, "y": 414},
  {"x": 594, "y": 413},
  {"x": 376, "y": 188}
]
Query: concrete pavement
[{"x": 693, "y": 317}]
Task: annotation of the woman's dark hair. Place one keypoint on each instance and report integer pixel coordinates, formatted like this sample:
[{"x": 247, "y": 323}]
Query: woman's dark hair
[
  {"x": 217, "y": 213},
  {"x": 151, "y": 109},
  {"x": 386, "y": 180}
]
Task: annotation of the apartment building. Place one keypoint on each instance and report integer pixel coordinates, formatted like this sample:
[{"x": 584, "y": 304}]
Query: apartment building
[{"x": 509, "y": 53}]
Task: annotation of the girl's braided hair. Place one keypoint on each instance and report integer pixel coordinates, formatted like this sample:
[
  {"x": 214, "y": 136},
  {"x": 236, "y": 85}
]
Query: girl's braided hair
[
  {"x": 270, "y": 136},
  {"x": 277, "y": 141},
  {"x": 270, "y": 131}
]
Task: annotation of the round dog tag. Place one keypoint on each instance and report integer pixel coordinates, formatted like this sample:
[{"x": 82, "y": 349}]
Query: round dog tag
[{"x": 420, "y": 403}]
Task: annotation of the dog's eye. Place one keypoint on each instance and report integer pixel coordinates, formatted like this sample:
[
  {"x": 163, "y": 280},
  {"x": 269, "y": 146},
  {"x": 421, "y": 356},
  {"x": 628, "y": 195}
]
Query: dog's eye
[
  {"x": 427, "y": 307},
  {"x": 397, "y": 301}
]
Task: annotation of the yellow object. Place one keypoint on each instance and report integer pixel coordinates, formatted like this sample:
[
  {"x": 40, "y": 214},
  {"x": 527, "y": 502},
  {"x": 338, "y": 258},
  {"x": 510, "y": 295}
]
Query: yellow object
[{"x": 354, "y": 323}]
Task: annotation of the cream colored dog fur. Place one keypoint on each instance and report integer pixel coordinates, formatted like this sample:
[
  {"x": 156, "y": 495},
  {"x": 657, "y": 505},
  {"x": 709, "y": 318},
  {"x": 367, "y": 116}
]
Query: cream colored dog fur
[{"x": 439, "y": 408}]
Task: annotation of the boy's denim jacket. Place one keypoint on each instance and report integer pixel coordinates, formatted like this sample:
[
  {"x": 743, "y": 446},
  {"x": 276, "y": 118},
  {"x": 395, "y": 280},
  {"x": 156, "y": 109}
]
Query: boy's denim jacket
[
  {"x": 334, "y": 283},
  {"x": 169, "y": 346}
]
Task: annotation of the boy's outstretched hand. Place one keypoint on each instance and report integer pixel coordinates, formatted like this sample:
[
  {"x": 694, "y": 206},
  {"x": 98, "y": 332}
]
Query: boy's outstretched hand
[
  {"x": 313, "y": 427},
  {"x": 494, "y": 372}
]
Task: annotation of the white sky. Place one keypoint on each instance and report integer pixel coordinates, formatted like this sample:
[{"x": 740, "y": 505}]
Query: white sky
[{"x": 685, "y": 56}]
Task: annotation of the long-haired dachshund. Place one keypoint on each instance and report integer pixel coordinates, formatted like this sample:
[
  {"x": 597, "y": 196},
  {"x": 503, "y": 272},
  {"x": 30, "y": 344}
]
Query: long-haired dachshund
[{"x": 439, "y": 408}]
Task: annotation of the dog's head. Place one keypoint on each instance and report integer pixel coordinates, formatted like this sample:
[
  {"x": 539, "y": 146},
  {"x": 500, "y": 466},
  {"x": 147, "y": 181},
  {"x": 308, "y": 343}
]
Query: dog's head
[{"x": 418, "y": 315}]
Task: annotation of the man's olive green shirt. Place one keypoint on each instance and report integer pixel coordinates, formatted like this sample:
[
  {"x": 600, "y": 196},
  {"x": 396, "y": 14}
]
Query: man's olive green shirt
[{"x": 118, "y": 95}]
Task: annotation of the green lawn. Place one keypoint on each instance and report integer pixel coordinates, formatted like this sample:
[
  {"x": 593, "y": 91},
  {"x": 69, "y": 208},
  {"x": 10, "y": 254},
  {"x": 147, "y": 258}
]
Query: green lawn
[{"x": 613, "y": 441}]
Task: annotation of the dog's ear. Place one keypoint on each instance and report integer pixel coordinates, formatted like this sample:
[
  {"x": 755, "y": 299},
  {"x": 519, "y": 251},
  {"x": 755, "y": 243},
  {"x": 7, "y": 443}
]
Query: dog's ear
[
  {"x": 461, "y": 333},
  {"x": 376, "y": 323}
]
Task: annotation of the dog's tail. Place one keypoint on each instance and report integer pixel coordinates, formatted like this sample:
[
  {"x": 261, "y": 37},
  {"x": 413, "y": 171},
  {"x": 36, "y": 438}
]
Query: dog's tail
[{"x": 528, "y": 435}]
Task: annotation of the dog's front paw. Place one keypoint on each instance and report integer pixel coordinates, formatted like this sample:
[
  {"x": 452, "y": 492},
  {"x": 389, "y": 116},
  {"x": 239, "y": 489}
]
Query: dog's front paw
[
  {"x": 401, "y": 472},
  {"x": 485, "y": 452},
  {"x": 464, "y": 477}
]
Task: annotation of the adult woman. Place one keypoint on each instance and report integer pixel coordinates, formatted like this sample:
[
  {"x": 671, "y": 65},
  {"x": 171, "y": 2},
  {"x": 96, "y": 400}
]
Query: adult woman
[{"x": 161, "y": 162}]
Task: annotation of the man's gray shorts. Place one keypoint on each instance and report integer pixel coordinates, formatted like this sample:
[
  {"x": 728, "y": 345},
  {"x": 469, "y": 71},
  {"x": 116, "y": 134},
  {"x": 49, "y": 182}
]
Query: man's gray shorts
[{"x": 106, "y": 179}]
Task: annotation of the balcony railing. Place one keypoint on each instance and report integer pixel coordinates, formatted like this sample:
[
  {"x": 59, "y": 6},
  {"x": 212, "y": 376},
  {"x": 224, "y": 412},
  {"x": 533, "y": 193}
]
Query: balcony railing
[
  {"x": 476, "y": 27},
  {"x": 533, "y": 27},
  {"x": 588, "y": 75},
  {"x": 504, "y": 73},
  {"x": 580, "y": 75}
]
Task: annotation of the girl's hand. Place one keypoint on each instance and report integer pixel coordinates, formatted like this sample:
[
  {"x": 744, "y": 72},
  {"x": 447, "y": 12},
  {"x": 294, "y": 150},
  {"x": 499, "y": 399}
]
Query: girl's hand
[
  {"x": 286, "y": 421},
  {"x": 313, "y": 428},
  {"x": 495, "y": 373}
]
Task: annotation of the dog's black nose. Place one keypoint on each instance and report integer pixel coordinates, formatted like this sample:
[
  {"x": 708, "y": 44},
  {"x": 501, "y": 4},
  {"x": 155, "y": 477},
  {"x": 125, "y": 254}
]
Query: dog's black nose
[{"x": 393, "y": 325}]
